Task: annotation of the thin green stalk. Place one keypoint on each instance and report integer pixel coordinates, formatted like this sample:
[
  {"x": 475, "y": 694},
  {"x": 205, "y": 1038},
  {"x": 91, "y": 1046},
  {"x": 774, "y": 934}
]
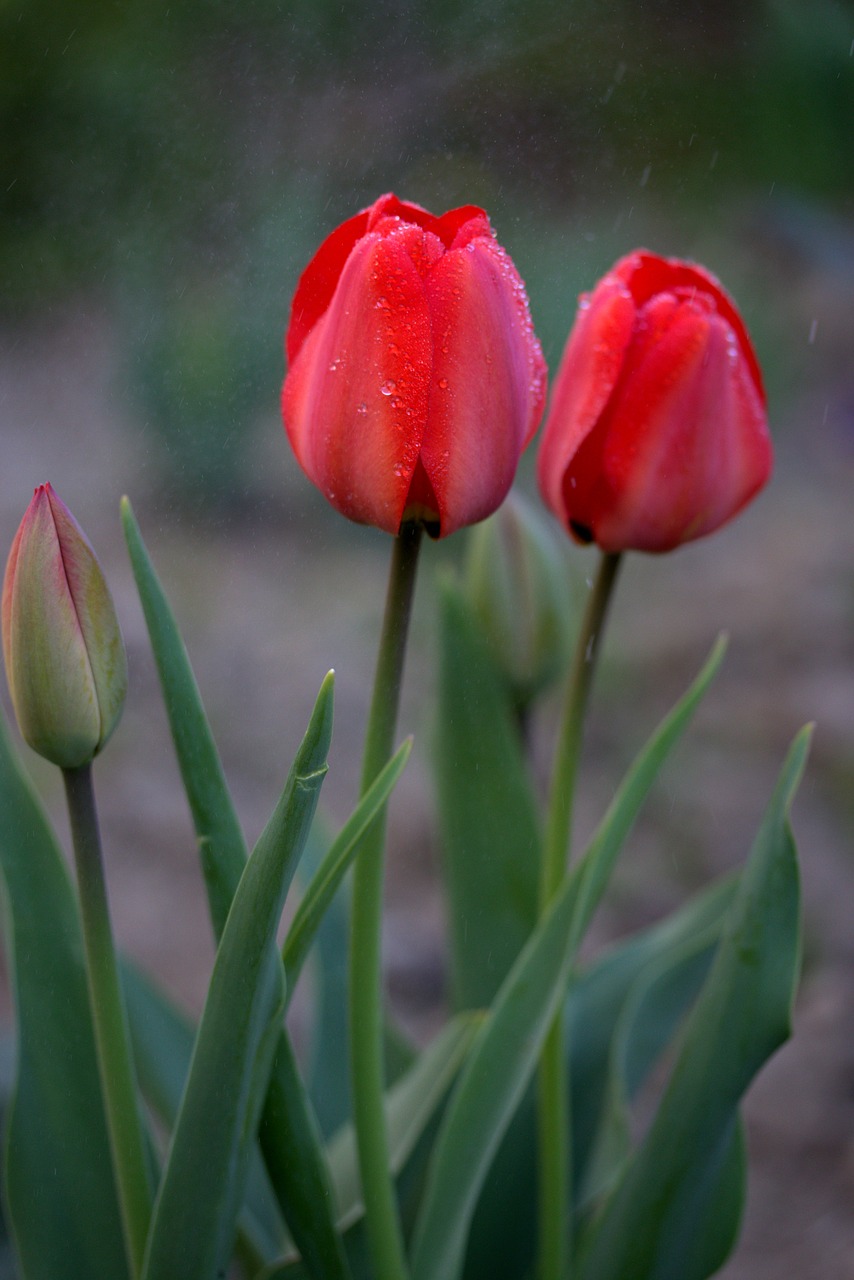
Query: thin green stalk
[
  {"x": 365, "y": 994},
  {"x": 118, "y": 1079},
  {"x": 554, "y": 1110}
]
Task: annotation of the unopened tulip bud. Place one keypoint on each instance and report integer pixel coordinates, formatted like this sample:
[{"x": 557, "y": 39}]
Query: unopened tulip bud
[
  {"x": 65, "y": 659},
  {"x": 517, "y": 584}
]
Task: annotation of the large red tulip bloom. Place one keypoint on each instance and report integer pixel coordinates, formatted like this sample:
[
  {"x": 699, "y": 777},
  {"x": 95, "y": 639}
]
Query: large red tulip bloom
[
  {"x": 657, "y": 430},
  {"x": 414, "y": 377}
]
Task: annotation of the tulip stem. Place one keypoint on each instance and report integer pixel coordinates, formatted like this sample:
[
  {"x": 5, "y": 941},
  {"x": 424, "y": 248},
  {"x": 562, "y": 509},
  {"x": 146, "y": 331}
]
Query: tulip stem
[
  {"x": 365, "y": 994},
  {"x": 554, "y": 1108},
  {"x": 112, "y": 1040}
]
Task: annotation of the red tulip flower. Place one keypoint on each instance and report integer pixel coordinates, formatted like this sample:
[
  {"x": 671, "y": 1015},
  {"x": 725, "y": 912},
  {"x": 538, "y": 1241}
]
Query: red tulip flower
[
  {"x": 657, "y": 431},
  {"x": 414, "y": 377}
]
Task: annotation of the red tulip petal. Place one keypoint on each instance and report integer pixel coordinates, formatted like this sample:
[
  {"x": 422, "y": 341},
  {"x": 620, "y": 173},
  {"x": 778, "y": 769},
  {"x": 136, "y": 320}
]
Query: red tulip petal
[
  {"x": 683, "y": 443},
  {"x": 646, "y": 275},
  {"x": 355, "y": 400},
  {"x": 585, "y": 380},
  {"x": 488, "y": 381}
]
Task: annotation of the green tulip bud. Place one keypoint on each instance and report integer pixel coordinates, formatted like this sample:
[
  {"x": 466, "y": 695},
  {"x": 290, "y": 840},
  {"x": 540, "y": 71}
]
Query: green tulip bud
[
  {"x": 65, "y": 659},
  {"x": 518, "y": 585}
]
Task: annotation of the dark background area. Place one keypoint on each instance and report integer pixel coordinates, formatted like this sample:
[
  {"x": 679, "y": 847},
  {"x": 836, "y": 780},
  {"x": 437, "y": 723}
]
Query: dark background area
[{"x": 166, "y": 170}]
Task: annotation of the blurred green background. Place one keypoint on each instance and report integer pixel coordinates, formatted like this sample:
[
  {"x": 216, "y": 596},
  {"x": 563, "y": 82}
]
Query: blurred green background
[{"x": 180, "y": 161}]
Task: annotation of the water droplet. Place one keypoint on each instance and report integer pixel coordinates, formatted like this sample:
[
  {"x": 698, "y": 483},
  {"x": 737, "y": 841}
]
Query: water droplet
[
  {"x": 388, "y": 388},
  {"x": 443, "y": 383},
  {"x": 362, "y": 408}
]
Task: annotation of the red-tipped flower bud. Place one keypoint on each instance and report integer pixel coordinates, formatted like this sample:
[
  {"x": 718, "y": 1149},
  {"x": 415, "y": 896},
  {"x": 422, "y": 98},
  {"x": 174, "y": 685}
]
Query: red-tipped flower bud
[
  {"x": 414, "y": 377},
  {"x": 65, "y": 659},
  {"x": 657, "y": 430}
]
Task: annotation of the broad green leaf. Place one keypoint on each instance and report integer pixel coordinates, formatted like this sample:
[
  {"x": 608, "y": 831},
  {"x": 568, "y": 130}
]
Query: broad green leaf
[
  {"x": 503, "y": 1233},
  {"x": 601, "y": 992},
  {"x": 657, "y": 1224},
  {"x": 647, "y": 1023},
  {"x": 203, "y": 1183},
  {"x": 502, "y": 1059},
  {"x": 221, "y": 845},
  {"x": 162, "y": 1038},
  {"x": 488, "y": 814},
  {"x": 333, "y": 867},
  {"x": 60, "y": 1200}
]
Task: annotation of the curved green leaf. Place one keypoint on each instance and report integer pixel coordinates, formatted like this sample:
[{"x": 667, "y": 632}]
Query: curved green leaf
[
  {"x": 202, "y": 1185},
  {"x": 221, "y": 844},
  {"x": 661, "y": 1206},
  {"x": 61, "y": 1203},
  {"x": 488, "y": 814}
]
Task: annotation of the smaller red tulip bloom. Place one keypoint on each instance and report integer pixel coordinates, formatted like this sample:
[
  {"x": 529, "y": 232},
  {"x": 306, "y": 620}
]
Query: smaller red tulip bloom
[
  {"x": 657, "y": 431},
  {"x": 414, "y": 377}
]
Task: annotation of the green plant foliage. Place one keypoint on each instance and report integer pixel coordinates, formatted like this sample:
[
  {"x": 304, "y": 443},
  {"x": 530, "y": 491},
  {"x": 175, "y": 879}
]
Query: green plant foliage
[
  {"x": 675, "y": 1210},
  {"x": 162, "y": 1038},
  {"x": 202, "y": 1186},
  {"x": 221, "y": 843},
  {"x": 504, "y": 1055},
  {"x": 502, "y": 1238},
  {"x": 60, "y": 1199},
  {"x": 487, "y": 811}
]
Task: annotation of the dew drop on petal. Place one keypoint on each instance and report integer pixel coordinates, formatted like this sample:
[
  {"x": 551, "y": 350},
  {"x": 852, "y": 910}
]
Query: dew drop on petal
[{"x": 389, "y": 387}]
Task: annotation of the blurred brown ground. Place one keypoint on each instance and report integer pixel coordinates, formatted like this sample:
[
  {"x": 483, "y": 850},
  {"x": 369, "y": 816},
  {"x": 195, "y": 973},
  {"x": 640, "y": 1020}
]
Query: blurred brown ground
[{"x": 273, "y": 597}]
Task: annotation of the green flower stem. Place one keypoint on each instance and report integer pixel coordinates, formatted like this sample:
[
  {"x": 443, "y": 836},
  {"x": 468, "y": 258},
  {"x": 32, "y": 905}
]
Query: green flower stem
[
  {"x": 118, "y": 1080},
  {"x": 365, "y": 995},
  {"x": 554, "y": 1111}
]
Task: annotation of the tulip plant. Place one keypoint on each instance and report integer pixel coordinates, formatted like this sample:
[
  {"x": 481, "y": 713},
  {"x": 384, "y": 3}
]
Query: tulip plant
[{"x": 140, "y": 1146}]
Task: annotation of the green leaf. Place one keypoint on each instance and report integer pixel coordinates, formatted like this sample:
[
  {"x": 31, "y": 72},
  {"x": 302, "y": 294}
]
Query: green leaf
[
  {"x": 647, "y": 1022},
  {"x": 411, "y": 1106},
  {"x": 601, "y": 993},
  {"x": 223, "y": 855},
  {"x": 593, "y": 872},
  {"x": 221, "y": 845},
  {"x": 202, "y": 1186},
  {"x": 291, "y": 1142},
  {"x": 334, "y": 865},
  {"x": 60, "y": 1199},
  {"x": 493, "y": 1081},
  {"x": 504, "y": 1056},
  {"x": 659, "y": 1224},
  {"x": 488, "y": 815},
  {"x": 162, "y": 1038},
  {"x": 503, "y": 1232}
]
